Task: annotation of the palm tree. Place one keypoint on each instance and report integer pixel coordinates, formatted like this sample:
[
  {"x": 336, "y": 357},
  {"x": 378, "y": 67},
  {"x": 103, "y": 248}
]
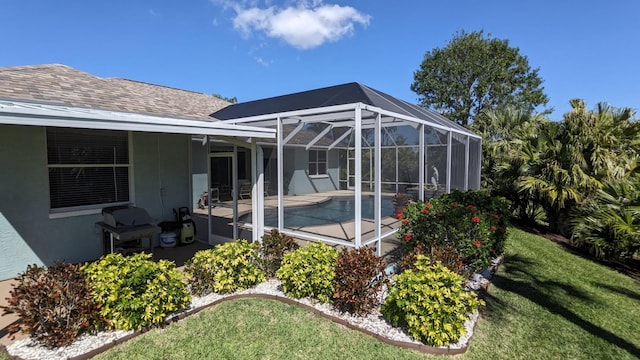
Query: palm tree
[
  {"x": 578, "y": 153},
  {"x": 556, "y": 166},
  {"x": 609, "y": 225},
  {"x": 506, "y": 133}
]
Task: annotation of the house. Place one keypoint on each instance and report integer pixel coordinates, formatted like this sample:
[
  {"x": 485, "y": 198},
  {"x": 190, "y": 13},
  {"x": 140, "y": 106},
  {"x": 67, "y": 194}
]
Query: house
[
  {"x": 72, "y": 143},
  {"x": 321, "y": 164}
]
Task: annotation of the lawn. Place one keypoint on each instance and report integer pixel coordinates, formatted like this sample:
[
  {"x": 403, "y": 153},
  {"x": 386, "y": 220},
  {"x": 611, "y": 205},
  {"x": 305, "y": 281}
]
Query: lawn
[{"x": 545, "y": 303}]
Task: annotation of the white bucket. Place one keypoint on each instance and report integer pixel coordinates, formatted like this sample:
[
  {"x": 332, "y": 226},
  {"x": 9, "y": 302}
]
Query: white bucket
[{"x": 168, "y": 239}]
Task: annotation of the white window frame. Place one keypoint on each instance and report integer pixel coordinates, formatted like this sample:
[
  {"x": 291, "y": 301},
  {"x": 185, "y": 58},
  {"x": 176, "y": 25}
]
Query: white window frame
[
  {"x": 62, "y": 212},
  {"x": 325, "y": 162}
]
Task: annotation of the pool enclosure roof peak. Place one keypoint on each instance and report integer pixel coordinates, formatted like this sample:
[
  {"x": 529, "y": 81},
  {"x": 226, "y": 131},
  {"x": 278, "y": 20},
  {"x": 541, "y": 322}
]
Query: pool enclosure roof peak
[{"x": 334, "y": 101}]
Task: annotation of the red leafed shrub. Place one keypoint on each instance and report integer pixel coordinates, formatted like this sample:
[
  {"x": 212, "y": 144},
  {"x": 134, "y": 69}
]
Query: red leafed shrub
[
  {"x": 449, "y": 257},
  {"x": 54, "y": 304},
  {"x": 409, "y": 258},
  {"x": 445, "y": 254},
  {"x": 273, "y": 247},
  {"x": 359, "y": 279}
]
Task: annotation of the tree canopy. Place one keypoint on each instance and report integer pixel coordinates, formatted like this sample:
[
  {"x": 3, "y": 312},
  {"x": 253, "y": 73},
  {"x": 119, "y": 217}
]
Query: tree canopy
[
  {"x": 581, "y": 171},
  {"x": 473, "y": 73},
  {"x": 232, "y": 100}
]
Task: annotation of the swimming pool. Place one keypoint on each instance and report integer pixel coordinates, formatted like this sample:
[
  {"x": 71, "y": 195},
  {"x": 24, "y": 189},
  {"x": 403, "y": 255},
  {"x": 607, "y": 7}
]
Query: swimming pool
[{"x": 336, "y": 210}]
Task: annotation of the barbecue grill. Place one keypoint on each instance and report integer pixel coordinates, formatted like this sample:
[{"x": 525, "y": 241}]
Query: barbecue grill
[{"x": 125, "y": 227}]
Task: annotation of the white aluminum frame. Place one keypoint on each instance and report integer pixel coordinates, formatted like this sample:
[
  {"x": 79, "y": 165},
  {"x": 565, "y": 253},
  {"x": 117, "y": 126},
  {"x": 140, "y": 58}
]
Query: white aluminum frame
[
  {"x": 25, "y": 113},
  {"x": 357, "y": 116}
]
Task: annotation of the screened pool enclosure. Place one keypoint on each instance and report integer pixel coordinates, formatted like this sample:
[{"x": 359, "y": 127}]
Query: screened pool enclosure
[{"x": 341, "y": 154}]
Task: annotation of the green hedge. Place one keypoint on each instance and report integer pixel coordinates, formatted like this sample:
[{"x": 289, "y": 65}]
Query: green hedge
[
  {"x": 309, "y": 271},
  {"x": 135, "y": 291},
  {"x": 226, "y": 268},
  {"x": 430, "y": 302}
]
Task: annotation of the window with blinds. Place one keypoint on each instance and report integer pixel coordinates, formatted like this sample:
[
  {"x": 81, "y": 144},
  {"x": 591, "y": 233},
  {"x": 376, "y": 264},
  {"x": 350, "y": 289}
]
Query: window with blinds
[
  {"x": 87, "y": 167},
  {"x": 317, "y": 162}
]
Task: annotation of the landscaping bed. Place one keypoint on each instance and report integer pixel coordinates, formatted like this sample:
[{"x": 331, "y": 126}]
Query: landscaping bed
[
  {"x": 372, "y": 324},
  {"x": 543, "y": 303},
  {"x": 424, "y": 306}
]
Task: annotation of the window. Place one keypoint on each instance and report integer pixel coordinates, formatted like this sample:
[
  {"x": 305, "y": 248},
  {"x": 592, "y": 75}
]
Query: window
[
  {"x": 87, "y": 167},
  {"x": 317, "y": 162}
]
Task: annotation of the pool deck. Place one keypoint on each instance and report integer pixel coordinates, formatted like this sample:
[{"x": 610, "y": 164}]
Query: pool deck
[
  {"x": 341, "y": 230},
  {"x": 244, "y": 206}
]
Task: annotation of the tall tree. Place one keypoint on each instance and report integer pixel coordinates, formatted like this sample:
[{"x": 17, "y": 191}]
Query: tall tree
[
  {"x": 473, "y": 73},
  {"x": 232, "y": 100}
]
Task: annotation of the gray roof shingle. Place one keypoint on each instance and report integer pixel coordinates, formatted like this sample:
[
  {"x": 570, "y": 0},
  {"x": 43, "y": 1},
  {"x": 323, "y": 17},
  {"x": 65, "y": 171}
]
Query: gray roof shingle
[{"x": 61, "y": 84}]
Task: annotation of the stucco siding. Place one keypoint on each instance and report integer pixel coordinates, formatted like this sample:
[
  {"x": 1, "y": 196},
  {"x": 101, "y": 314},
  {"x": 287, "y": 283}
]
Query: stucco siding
[
  {"x": 161, "y": 173},
  {"x": 29, "y": 236},
  {"x": 199, "y": 159},
  {"x": 27, "y": 233},
  {"x": 302, "y": 183}
]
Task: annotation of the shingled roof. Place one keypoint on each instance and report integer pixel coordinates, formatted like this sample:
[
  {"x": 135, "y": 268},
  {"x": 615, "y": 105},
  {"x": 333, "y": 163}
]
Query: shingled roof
[{"x": 64, "y": 85}]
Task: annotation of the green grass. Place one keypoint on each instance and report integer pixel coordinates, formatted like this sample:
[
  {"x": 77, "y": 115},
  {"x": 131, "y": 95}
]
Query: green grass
[
  {"x": 545, "y": 303},
  {"x": 255, "y": 329},
  {"x": 3, "y": 355}
]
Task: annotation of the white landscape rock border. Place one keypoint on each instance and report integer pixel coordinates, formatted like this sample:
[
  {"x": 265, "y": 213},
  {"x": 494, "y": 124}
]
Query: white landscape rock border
[{"x": 373, "y": 322}]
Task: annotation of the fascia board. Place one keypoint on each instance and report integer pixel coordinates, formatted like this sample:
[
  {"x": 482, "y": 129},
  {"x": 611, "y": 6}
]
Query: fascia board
[
  {"x": 417, "y": 120},
  {"x": 294, "y": 113},
  {"x": 128, "y": 126}
]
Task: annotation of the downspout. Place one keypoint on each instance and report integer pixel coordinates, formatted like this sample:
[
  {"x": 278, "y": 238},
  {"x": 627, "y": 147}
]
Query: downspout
[{"x": 421, "y": 166}]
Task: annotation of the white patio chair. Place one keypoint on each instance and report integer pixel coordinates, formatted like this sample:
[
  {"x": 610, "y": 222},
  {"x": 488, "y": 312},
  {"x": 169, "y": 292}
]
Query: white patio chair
[
  {"x": 215, "y": 194},
  {"x": 245, "y": 191}
]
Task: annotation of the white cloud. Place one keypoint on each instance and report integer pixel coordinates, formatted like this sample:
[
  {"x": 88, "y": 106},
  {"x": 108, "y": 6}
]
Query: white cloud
[
  {"x": 304, "y": 25},
  {"x": 262, "y": 61}
]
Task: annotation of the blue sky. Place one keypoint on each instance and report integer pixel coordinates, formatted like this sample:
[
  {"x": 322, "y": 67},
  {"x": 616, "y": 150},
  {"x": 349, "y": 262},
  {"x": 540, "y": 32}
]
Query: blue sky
[{"x": 256, "y": 49}]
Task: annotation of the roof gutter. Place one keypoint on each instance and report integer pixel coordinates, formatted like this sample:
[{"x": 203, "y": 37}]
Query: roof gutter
[{"x": 21, "y": 113}]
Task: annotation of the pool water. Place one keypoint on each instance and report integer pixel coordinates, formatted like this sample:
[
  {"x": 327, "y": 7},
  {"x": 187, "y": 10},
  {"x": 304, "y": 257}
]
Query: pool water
[{"x": 336, "y": 210}]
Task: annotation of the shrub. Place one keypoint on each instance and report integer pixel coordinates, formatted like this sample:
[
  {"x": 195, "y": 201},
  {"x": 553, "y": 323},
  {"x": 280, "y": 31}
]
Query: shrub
[
  {"x": 475, "y": 232},
  {"x": 430, "y": 302},
  {"x": 448, "y": 256},
  {"x": 496, "y": 210},
  {"x": 408, "y": 260},
  {"x": 309, "y": 272},
  {"x": 359, "y": 279},
  {"x": 273, "y": 247},
  {"x": 54, "y": 304},
  {"x": 608, "y": 225},
  {"x": 225, "y": 268},
  {"x": 134, "y": 291}
]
